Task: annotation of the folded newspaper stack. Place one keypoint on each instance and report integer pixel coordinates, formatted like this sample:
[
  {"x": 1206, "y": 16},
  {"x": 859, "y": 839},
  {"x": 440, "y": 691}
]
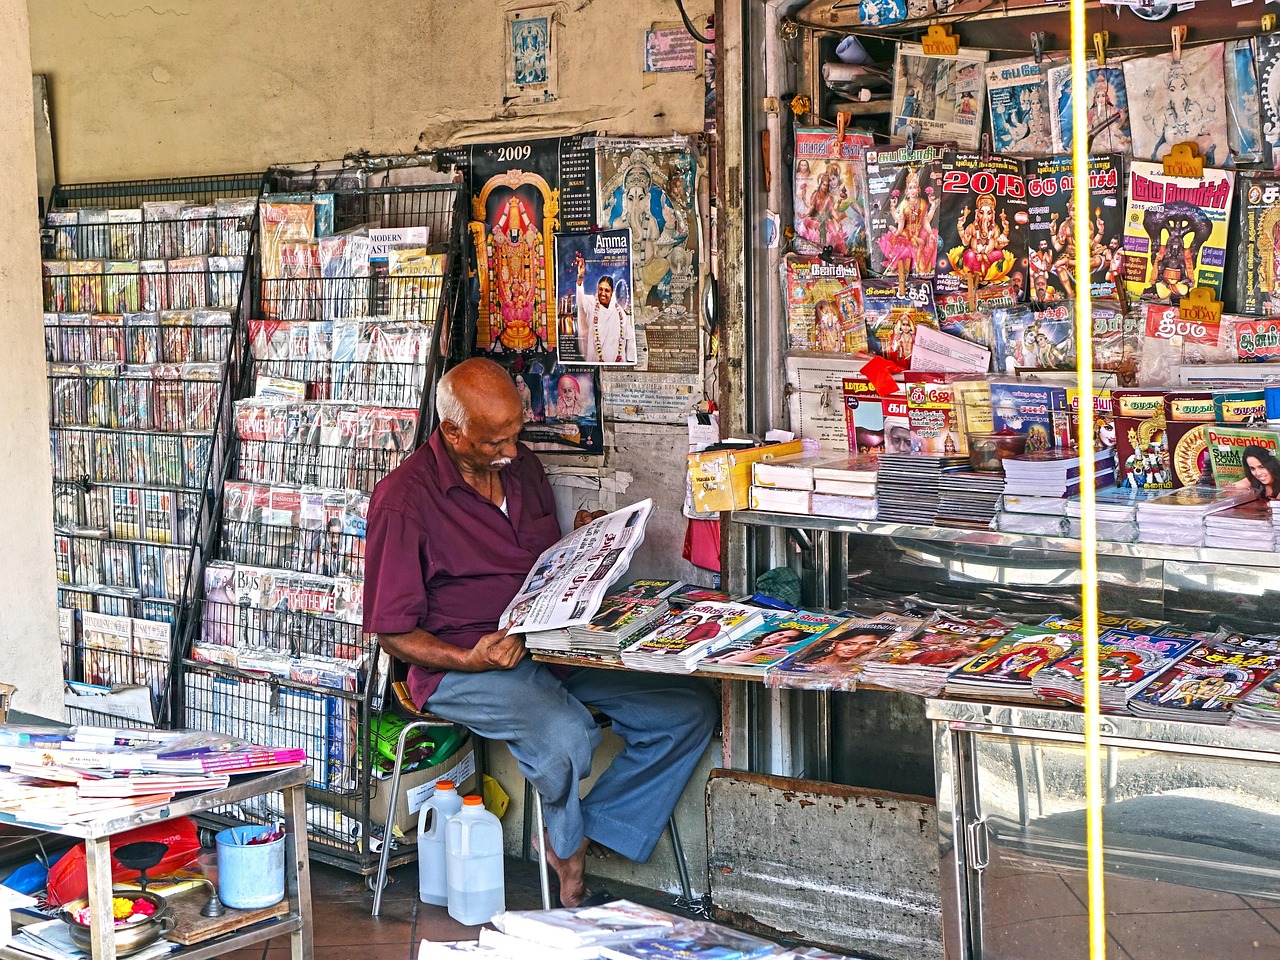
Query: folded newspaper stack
[{"x": 679, "y": 642}]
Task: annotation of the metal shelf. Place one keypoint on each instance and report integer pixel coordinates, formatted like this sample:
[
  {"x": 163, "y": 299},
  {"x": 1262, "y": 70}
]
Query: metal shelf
[{"x": 978, "y": 540}]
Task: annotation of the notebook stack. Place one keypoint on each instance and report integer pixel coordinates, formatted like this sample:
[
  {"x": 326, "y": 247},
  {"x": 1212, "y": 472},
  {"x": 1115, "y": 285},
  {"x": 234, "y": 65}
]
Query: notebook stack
[
  {"x": 680, "y": 641},
  {"x": 1178, "y": 517},
  {"x": 908, "y": 488},
  {"x": 1246, "y": 527},
  {"x": 846, "y": 488},
  {"x": 1116, "y": 511},
  {"x": 1054, "y": 473},
  {"x": 1039, "y": 516},
  {"x": 968, "y": 498}
]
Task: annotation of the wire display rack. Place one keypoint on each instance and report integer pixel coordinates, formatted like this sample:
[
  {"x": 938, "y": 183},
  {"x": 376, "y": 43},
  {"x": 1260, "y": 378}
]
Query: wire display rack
[
  {"x": 145, "y": 293},
  {"x": 358, "y": 280}
]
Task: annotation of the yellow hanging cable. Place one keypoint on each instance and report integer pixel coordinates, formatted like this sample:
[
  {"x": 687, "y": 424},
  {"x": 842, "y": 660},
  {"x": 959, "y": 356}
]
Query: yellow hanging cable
[{"x": 1088, "y": 501}]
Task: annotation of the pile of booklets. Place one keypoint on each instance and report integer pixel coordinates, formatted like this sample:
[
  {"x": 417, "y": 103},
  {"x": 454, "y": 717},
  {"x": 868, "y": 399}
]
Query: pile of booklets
[
  {"x": 1206, "y": 683},
  {"x": 1127, "y": 662},
  {"x": 908, "y": 487},
  {"x": 821, "y": 485},
  {"x": 969, "y": 499},
  {"x": 779, "y": 636},
  {"x": 1054, "y": 473},
  {"x": 620, "y": 930},
  {"x": 1246, "y": 527},
  {"x": 1178, "y": 517},
  {"x": 1116, "y": 510},
  {"x": 679, "y": 642},
  {"x": 622, "y": 617},
  {"x": 1260, "y": 707},
  {"x": 1036, "y": 516},
  {"x": 835, "y": 661}
]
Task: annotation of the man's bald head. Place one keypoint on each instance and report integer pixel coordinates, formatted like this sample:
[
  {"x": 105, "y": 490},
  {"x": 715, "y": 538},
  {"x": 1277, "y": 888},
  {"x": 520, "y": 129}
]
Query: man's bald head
[
  {"x": 476, "y": 389},
  {"x": 480, "y": 415}
]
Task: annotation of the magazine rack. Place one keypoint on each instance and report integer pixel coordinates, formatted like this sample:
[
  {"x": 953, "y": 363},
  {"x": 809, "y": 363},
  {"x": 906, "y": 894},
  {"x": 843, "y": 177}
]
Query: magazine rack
[
  {"x": 143, "y": 337},
  {"x": 342, "y": 363}
]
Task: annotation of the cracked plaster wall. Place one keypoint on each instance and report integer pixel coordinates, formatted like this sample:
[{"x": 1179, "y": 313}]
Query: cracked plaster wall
[{"x": 194, "y": 86}]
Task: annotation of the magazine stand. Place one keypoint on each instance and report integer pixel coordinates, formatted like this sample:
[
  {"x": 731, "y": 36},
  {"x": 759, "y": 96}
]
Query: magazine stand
[
  {"x": 296, "y": 923},
  {"x": 275, "y": 651},
  {"x": 144, "y": 327}
]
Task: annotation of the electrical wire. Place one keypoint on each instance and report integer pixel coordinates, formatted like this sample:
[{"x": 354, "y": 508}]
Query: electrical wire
[{"x": 692, "y": 30}]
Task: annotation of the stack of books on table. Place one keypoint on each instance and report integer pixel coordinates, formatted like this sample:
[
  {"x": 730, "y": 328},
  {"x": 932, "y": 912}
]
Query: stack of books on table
[
  {"x": 1127, "y": 662},
  {"x": 620, "y": 930},
  {"x": 1055, "y": 473},
  {"x": 680, "y": 641},
  {"x": 1178, "y": 517},
  {"x": 908, "y": 486},
  {"x": 920, "y": 664},
  {"x": 1036, "y": 516},
  {"x": 1005, "y": 670},
  {"x": 1249, "y": 526},
  {"x": 835, "y": 661},
  {"x": 1204, "y": 685},
  {"x": 1116, "y": 509},
  {"x": 968, "y": 498},
  {"x": 784, "y": 484}
]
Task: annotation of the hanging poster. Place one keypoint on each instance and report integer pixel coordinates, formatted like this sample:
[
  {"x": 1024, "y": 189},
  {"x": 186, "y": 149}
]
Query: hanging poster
[
  {"x": 982, "y": 226},
  {"x": 562, "y": 405},
  {"x": 1019, "y": 101},
  {"x": 649, "y": 188},
  {"x": 531, "y": 55},
  {"x": 830, "y": 187},
  {"x": 903, "y": 192},
  {"x": 1108, "y": 109},
  {"x": 1176, "y": 100},
  {"x": 941, "y": 98},
  {"x": 596, "y": 312},
  {"x": 1258, "y": 276},
  {"x": 1051, "y": 245}
]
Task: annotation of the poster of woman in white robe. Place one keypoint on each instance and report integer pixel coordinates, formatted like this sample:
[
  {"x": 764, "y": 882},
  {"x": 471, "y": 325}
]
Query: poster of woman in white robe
[{"x": 595, "y": 305}]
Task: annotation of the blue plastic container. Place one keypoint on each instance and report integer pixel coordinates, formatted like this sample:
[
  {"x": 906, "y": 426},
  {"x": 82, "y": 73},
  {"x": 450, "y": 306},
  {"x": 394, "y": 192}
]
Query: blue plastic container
[{"x": 249, "y": 875}]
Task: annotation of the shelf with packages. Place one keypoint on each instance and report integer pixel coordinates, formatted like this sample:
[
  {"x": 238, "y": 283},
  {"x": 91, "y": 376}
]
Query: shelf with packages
[
  {"x": 142, "y": 342},
  {"x": 296, "y": 923},
  {"x": 356, "y": 286}
]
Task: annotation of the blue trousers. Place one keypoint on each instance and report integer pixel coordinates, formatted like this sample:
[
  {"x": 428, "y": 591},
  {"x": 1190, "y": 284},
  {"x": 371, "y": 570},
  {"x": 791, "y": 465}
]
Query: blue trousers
[{"x": 665, "y": 723}]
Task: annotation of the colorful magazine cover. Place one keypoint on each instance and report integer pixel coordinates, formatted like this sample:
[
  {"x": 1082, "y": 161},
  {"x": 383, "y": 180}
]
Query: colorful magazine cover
[
  {"x": 1175, "y": 231},
  {"x": 775, "y": 639},
  {"x": 1127, "y": 662},
  {"x": 892, "y": 317},
  {"x": 1178, "y": 99},
  {"x": 595, "y": 298},
  {"x": 1258, "y": 258},
  {"x": 1243, "y": 456},
  {"x": 1207, "y": 682},
  {"x": 982, "y": 225},
  {"x": 1035, "y": 338},
  {"x": 830, "y": 192},
  {"x": 833, "y": 662},
  {"x": 1018, "y": 98},
  {"x": 1014, "y": 659},
  {"x": 1108, "y": 109},
  {"x": 903, "y": 192},
  {"x": 824, "y": 305},
  {"x": 1051, "y": 247},
  {"x": 939, "y": 98},
  {"x": 1142, "y": 443}
]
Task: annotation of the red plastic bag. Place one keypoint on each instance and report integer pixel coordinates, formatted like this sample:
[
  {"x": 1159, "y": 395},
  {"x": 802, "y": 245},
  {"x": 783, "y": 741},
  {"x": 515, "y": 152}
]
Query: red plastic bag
[{"x": 69, "y": 877}]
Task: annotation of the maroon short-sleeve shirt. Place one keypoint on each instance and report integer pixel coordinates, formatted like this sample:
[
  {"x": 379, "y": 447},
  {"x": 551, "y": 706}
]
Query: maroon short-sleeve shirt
[{"x": 440, "y": 556}]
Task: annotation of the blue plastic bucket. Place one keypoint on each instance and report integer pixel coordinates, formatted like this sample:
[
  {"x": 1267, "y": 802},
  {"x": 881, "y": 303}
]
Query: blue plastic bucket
[{"x": 249, "y": 875}]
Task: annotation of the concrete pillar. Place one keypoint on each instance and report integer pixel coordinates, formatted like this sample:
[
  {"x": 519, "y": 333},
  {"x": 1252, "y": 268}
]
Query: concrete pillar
[{"x": 29, "y": 655}]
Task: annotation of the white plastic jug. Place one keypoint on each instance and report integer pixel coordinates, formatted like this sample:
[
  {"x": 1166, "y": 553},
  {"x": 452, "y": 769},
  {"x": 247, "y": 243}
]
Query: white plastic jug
[
  {"x": 473, "y": 852},
  {"x": 438, "y": 808}
]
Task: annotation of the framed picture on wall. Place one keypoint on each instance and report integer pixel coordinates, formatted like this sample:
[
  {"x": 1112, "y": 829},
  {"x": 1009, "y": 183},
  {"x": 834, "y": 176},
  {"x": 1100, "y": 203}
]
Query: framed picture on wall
[{"x": 531, "y": 53}]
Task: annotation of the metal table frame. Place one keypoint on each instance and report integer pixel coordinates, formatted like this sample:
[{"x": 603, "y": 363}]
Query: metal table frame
[{"x": 97, "y": 836}]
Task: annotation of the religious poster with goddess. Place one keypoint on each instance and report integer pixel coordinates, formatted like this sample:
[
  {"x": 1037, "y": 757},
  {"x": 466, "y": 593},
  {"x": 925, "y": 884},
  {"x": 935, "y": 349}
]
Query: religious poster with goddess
[
  {"x": 595, "y": 304},
  {"x": 515, "y": 215}
]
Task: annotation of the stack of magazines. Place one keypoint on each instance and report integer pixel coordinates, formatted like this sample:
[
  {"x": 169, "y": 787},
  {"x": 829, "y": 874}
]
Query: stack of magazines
[
  {"x": 1006, "y": 669},
  {"x": 1246, "y": 527},
  {"x": 1128, "y": 662},
  {"x": 835, "y": 661},
  {"x": 1054, "y": 473},
  {"x": 907, "y": 487},
  {"x": 618, "y": 621},
  {"x": 969, "y": 499},
  {"x": 1260, "y": 707},
  {"x": 1178, "y": 517},
  {"x": 1037, "y": 516},
  {"x": 679, "y": 642},
  {"x": 1116, "y": 510},
  {"x": 920, "y": 664},
  {"x": 1205, "y": 684},
  {"x": 778, "y": 636}
]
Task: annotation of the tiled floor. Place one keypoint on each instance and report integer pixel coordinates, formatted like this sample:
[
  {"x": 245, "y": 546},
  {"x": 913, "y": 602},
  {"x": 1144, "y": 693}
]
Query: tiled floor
[{"x": 344, "y": 930}]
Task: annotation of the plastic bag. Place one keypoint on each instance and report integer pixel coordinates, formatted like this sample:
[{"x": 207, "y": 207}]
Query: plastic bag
[{"x": 69, "y": 877}]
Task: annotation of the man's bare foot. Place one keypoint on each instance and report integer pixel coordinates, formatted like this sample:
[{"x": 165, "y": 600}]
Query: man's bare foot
[
  {"x": 573, "y": 887},
  {"x": 598, "y": 851}
]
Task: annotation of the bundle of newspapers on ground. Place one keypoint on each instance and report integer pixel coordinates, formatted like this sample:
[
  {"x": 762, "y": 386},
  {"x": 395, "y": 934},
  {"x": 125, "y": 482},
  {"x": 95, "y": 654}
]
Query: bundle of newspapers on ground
[{"x": 620, "y": 930}]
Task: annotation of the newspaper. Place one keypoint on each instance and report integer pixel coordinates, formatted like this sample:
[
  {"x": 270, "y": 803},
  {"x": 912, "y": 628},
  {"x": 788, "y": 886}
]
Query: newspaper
[{"x": 566, "y": 585}]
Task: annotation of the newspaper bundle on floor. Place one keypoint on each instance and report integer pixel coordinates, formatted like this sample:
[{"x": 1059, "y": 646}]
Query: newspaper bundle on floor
[
  {"x": 567, "y": 584},
  {"x": 620, "y": 930}
]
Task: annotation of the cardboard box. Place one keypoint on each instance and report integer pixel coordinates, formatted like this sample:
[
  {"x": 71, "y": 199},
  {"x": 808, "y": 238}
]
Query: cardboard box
[
  {"x": 721, "y": 479},
  {"x": 416, "y": 787}
]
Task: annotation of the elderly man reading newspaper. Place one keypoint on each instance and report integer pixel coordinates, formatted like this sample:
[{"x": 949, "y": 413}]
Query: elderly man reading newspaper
[{"x": 453, "y": 534}]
